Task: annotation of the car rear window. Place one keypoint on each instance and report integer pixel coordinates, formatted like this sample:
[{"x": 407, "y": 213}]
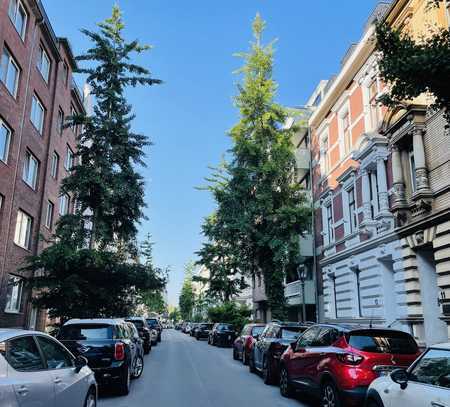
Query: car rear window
[
  {"x": 291, "y": 332},
  {"x": 257, "y": 330},
  {"x": 153, "y": 322},
  {"x": 80, "y": 332},
  {"x": 138, "y": 324},
  {"x": 225, "y": 327},
  {"x": 383, "y": 342}
]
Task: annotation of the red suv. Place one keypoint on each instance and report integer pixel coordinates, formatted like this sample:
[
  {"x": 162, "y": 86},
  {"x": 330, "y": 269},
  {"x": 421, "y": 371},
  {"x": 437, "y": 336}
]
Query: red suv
[{"x": 337, "y": 363}]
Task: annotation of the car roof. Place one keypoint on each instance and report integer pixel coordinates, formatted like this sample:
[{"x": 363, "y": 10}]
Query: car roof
[
  {"x": 445, "y": 346},
  {"x": 8, "y": 333},
  {"x": 105, "y": 321},
  {"x": 134, "y": 318}
]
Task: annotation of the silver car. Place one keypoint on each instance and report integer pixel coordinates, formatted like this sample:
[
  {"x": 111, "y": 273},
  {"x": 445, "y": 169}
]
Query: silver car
[{"x": 37, "y": 370}]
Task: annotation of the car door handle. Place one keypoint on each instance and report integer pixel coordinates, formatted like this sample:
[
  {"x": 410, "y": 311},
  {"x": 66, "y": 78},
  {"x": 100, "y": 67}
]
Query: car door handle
[
  {"x": 57, "y": 380},
  {"x": 436, "y": 404},
  {"x": 22, "y": 390}
]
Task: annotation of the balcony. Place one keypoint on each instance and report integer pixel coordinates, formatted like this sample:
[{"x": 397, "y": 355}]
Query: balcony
[
  {"x": 306, "y": 245},
  {"x": 293, "y": 292},
  {"x": 302, "y": 160}
]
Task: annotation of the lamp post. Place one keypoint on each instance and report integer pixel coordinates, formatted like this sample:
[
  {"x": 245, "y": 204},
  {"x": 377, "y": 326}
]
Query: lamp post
[{"x": 301, "y": 272}]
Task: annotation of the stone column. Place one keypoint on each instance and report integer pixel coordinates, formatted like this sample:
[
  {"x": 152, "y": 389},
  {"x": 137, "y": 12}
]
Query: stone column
[
  {"x": 423, "y": 184},
  {"x": 399, "y": 183},
  {"x": 367, "y": 211},
  {"x": 382, "y": 185}
]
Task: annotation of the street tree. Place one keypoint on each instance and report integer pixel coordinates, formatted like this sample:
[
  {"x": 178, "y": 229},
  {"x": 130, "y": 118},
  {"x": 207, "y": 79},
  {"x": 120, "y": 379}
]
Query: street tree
[
  {"x": 414, "y": 66},
  {"x": 93, "y": 252},
  {"x": 187, "y": 296},
  {"x": 261, "y": 210}
]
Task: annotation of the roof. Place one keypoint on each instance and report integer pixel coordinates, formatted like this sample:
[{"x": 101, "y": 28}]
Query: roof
[
  {"x": 107, "y": 321},
  {"x": 445, "y": 346},
  {"x": 7, "y": 333}
]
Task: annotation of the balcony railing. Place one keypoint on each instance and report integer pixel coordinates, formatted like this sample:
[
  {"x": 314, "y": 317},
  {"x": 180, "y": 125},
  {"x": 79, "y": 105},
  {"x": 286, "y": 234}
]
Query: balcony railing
[
  {"x": 302, "y": 158},
  {"x": 293, "y": 292}
]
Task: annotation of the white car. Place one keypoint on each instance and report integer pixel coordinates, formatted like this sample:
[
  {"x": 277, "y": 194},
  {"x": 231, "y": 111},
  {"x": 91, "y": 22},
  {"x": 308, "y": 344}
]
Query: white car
[
  {"x": 425, "y": 383},
  {"x": 37, "y": 370}
]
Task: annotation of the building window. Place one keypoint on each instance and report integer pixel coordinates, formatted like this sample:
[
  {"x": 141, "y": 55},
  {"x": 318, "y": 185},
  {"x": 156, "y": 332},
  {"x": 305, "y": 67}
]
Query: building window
[
  {"x": 346, "y": 136},
  {"x": 24, "y": 223},
  {"x": 65, "y": 73},
  {"x": 37, "y": 114},
  {"x": 373, "y": 104},
  {"x": 70, "y": 159},
  {"x": 374, "y": 198},
  {"x": 54, "y": 165},
  {"x": 73, "y": 113},
  {"x": 49, "y": 214},
  {"x": 44, "y": 64},
  {"x": 324, "y": 158},
  {"x": 353, "y": 221},
  {"x": 60, "y": 122},
  {"x": 30, "y": 170},
  {"x": 18, "y": 16},
  {"x": 412, "y": 171},
  {"x": 5, "y": 141},
  {"x": 10, "y": 72},
  {"x": 64, "y": 201},
  {"x": 329, "y": 225},
  {"x": 14, "y": 294}
]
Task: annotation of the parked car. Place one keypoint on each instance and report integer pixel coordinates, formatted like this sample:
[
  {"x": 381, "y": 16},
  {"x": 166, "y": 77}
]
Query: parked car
[
  {"x": 267, "y": 350},
  {"x": 337, "y": 363},
  {"x": 221, "y": 335},
  {"x": 425, "y": 383},
  {"x": 187, "y": 328},
  {"x": 36, "y": 369},
  {"x": 144, "y": 332},
  {"x": 108, "y": 346},
  {"x": 243, "y": 344},
  {"x": 153, "y": 323},
  {"x": 202, "y": 331},
  {"x": 193, "y": 328},
  {"x": 139, "y": 350}
]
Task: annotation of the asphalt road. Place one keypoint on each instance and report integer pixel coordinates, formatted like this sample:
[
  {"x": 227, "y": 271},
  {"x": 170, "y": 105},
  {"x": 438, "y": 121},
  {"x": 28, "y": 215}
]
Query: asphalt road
[{"x": 183, "y": 372}]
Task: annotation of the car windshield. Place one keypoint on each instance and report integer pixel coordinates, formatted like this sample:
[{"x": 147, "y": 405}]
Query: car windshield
[
  {"x": 136, "y": 322},
  {"x": 152, "y": 323},
  {"x": 257, "y": 330},
  {"x": 291, "y": 333},
  {"x": 82, "y": 332},
  {"x": 383, "y": 342}
]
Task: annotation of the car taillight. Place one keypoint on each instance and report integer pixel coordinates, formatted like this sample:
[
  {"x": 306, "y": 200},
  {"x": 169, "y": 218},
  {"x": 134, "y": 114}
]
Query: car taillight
[
  {"x": 349, "y": 358},
  {"x": 119, "y": 351}
]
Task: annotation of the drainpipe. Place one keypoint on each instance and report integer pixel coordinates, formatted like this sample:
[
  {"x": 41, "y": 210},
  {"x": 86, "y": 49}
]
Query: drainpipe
[{"x": 16, "y": 169}]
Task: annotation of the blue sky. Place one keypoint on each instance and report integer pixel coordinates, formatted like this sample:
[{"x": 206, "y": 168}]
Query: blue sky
[{"x": 187, "y": 117}]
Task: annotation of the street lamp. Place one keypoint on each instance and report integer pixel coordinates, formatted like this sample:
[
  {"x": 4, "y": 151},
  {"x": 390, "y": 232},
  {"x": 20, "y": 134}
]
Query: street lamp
[{"x": 301, "y": 272}]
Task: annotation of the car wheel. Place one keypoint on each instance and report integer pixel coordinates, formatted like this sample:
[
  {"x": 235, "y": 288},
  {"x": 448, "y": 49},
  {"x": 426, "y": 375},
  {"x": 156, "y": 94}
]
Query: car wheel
[
  {"x": 373, "y": 403},
  {"x": 124, "y": 385},
  {"x": 235, "y": 355},
  {"x": 251, "y": 364},
  {"x": 329, "y": 396},
  {"x": 286, "y": 389},
  {"x": 197, "y": 337},
  {"x": 267, "y": 372},
  {"x": 138, "y": 367},
  {"x": 91, "y": 399}
]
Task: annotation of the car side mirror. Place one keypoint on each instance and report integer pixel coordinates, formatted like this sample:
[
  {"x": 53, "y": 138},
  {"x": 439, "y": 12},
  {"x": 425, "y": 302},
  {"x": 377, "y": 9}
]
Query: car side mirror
[
  {"x": 400, "y": 376},
  {"x": 80, "y": 362}
]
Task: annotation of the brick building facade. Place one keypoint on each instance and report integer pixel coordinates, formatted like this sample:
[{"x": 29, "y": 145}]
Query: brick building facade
[{"x": 36, "y": 93}]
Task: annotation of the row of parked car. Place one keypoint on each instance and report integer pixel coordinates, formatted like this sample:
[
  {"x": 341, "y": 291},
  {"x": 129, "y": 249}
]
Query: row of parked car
[
  {"x": 341, "y": 365},
  {"x": 66, "y": 368}
]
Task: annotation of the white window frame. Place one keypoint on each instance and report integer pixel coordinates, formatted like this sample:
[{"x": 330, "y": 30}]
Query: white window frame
[
  {"x": 60, "y": 122},
  {"x": 49, "y": 214},
  {"x": 352, "y": 217},
  {"x": 69, "y": 162},
  {"x": 73, "y": 112},
  {"x": 24, "y": 227},
  {"x": 36, "y": 103},
  {"x": 7, "y": 142},
  {"x": 6, "y": 71},
  {"x": 327, "y": 203},
  {"x": 374, "y": 196},
  {"x": 64, "y": 204},
  {"x": 345, "y": 142},
  {"x": 54, "y": 166},
  {"x": 324, "y": 156},
  {"x": 412, "y": 171},
  {"x": 14, "y": 302},
  {"x": 30, "y": 178},
  {"x": 44, "y": 58},
  {"x": 13, "y": 11}
]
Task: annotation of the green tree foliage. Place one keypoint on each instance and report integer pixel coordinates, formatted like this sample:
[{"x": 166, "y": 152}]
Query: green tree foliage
[
  {"x": 153, "y": 298},
  {"x": 187, "y": 296},
  {"x": 230, "y": 313},
  {"x": 175, "y": 315},
  {"x": 412, "y": 67},
  {"x": 105, "y": 279},
  {"x": 261, "y": 210}
]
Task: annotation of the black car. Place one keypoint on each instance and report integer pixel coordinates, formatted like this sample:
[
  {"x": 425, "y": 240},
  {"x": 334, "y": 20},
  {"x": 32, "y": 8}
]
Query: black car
[
  {"x": 222, "y": 335},
  {"x": 141, "y": 326},
  {"x": 202, "y": 330},
  {"x": 153, "y": 323},
  {"x": 267, "y": 350},
  {"x": 110, "y": 347}
]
